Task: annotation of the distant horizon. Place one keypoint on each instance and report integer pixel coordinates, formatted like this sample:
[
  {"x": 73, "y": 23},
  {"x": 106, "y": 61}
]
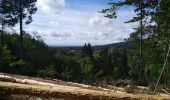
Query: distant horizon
[{"x": 83, "y": 44}]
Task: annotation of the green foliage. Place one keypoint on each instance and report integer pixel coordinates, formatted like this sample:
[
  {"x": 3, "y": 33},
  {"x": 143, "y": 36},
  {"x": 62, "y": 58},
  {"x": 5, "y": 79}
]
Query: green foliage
[
  {"x": 86, "y": 64},
  {"x": 47, "y": 72},
  {"x": 156, "y": 36},
  {"x": 6, "y": 59},
  {"x": 71, "y": 69},
  {"x": 154, "y": 72},
  {"x": 21, "y": 67},
  {"x": 104, "y": 66},
  {"x": 35, "y": 53}
]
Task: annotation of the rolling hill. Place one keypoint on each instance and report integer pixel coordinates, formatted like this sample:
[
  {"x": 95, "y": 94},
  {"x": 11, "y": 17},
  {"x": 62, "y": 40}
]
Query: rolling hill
[{"x": 126, "y": 45}]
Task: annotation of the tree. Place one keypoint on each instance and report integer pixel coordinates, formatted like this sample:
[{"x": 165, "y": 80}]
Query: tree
[
  {"x": 111, "y": 64},
  {"x": 162, "y": 33},
  {"x": 87, "y": 50},
  {"x": 143, "y": 9},
  {"x": 162, "y": 20},
  {"x": 17, "y": 10}
]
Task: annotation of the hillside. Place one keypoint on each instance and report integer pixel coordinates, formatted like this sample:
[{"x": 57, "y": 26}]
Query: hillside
[{"x": 125, "y": 45}]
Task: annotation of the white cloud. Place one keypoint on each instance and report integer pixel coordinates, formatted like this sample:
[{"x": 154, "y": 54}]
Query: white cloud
[
  {"x": 74, "y": 26},
  {"x": 49, "y": 6},
  {"x": 99, "y": 20},
  {"x": 61, "y": 35}
]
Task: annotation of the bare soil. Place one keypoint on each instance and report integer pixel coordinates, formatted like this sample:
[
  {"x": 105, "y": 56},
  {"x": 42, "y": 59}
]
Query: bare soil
[{"x": 41, "y": 90}]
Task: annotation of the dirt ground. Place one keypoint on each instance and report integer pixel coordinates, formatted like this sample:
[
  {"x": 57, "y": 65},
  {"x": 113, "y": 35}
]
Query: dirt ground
[
  {"x": 72, "y": 93},
  {"x": 15, "y": 87}
]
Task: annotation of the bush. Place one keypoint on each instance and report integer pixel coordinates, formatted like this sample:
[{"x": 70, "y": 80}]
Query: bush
[
  {"x": 47, "y": 72},
  {"x": 21, "y": 67}
]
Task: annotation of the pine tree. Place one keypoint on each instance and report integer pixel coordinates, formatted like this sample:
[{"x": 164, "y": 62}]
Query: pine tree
[
  {"x": 15, "y": 11},
  {"x": 143, "y": 9}
]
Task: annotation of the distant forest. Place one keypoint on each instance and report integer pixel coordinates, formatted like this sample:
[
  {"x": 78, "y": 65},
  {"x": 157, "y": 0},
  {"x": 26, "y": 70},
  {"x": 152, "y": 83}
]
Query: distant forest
[{"x": 24, "y": 54}]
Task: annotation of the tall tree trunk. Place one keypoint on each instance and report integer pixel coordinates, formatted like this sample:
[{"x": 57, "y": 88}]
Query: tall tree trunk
[
  {"x": 21, "y": 33},
  {"x": 1, "y": 36},
  {"x": 142, "y": 69}
]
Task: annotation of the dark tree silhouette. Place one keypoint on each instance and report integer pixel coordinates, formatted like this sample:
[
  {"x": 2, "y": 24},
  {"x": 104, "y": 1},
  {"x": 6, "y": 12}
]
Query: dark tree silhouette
[
  {"x": 15, "y": 11},
  {"x": 87, "y": 50}
]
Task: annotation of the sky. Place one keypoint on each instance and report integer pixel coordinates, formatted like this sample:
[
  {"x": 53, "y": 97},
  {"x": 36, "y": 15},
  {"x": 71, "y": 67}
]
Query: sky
[{"x": 74, "y": 22}]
